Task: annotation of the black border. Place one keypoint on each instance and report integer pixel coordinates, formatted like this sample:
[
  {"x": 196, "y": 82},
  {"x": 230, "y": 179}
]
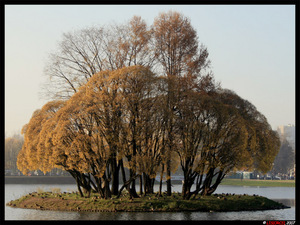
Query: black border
[{"x": 201, "y": 2}]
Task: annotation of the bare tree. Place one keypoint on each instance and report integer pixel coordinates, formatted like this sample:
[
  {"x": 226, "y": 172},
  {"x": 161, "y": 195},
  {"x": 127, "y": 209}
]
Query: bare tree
[
  {"x": 78, "y": 58},
  {"x": 177, "y": 46},
  {"x": 84, "y": 52},
  {"x": 178, "y": 55}
]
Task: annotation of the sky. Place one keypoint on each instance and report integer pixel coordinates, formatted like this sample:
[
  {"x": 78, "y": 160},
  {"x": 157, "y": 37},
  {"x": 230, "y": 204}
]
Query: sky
[{"x": 251, "y": 48}]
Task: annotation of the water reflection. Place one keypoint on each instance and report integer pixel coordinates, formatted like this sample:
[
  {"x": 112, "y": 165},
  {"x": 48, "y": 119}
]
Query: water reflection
[
  {"x": 286, "y": 214},
  {"x": 287, "y": 202},
  {"x": 133, "y": 216},
  {"x": 34, "y": 214},
  {"x": 29, "y": 214}
]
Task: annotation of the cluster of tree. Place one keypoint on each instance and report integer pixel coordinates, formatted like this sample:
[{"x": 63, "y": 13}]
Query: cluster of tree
[
  {"x": 13, "y": 145},
  {"x": 142, "y": 99},
  {"x": 169, "y": 47}
]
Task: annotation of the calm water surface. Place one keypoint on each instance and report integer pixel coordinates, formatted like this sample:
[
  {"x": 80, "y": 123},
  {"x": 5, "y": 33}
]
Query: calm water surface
[{"x": 286, "y": 195}]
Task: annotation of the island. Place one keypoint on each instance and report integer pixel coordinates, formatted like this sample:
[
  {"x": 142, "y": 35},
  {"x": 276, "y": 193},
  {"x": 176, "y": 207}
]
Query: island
[{"x": 65, "y": 201}]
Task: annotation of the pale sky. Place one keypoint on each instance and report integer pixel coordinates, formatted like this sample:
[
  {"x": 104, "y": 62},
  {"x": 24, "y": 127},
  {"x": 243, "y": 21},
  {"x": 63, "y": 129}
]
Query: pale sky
[{"x": 251, "y": 47}]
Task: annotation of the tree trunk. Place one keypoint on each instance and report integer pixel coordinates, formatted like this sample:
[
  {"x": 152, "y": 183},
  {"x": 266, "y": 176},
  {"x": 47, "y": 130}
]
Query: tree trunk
[
  {"x": 161, "y": 179},
  {"x": 198, "y": 185},
  {"x": 169, "y": 185},
  {"x": 107, "y": 192},
  {"x": 212, "y": 188},
  {"x": 152, "y": 185},
  {"x": 148, "y": 184},
  {"x": 141, "y": 185},
  {"x": 126, "y": 183},
  {"x": 78, "y": 187},
  {"x": 115, "y": 177},
  {"x": 186, "y": 188},
  {"x": 132, "y": 188},
  {"x": 207, "y": 188}
]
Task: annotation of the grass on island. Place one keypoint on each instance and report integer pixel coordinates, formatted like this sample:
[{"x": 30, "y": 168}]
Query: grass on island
[
  {"x": 262, "y": 183},
  {"x": 150, "y": 203}
]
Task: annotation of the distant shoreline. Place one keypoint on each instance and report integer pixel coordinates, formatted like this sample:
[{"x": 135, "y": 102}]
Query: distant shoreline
[
  {"x": 39, "y": 180},
  {"x": 50, "y": 180},
  {"x": 71, "y": 180},
  {"x": 260, "y": 183}
]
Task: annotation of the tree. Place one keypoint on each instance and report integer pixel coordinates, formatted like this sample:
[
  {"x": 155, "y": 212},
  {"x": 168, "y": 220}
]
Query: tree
[
  {"x": 129, "y": 44},
  {"x": 142, "y": 129},
  {"x": 13, "y": 145},
  {"x": 285, "y": 158},
  {"x": 134, "y": 89},
  {"x": 106, "y": 120},
  {"x": 85, "y": 52},
  {"x": 31, "y": 157},
  {"x": 121, "y": 100},
  {"x": 80, "y": 56},
  {"x": 210, "y": 137},
  {"x": 224, "y": 144},
  {"x": 178, "y": 54},
  {"x": 46, "y": 142},
  {"x": 118, "y": 113},
  {"x": 176, "y": 45},
  {"x": 263, "y": 142},
  {"x": 217, "y": 132}
]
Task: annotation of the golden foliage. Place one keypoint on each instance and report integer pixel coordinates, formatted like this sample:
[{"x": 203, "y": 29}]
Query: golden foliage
[
  {"x": 121, "y": 111},
  {"x": 34, "y": 155}
]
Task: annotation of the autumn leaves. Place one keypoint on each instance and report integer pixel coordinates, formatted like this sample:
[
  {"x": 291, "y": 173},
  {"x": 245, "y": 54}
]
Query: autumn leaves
[
  {"x": 142, "y": 99},
  {"x": 121, "y": 119}
]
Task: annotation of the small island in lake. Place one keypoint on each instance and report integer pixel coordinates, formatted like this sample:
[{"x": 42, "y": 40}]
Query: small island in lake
[
  {"x": 123, "y": 115},
  {"x": 149, "y": 203}
]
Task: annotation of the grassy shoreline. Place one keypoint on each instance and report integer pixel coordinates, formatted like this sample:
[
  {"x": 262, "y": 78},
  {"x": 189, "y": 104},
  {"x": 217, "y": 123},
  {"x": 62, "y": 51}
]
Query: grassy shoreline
[
  {"x": 262, "y": 183},
  {"x": 70, "y": 180},
  {"x": 150, "y": 203}
]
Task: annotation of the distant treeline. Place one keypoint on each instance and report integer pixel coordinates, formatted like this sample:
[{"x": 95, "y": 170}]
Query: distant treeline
[{"x": 39, "y": 180}]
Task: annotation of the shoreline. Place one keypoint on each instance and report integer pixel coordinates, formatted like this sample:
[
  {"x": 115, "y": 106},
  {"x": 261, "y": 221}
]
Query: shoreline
[
  {"x": 261, "y": 183},
  {"x": 70, "y": 180},
  {"x": 150, "y": 203},
  {"x": 39, "y": 180}
]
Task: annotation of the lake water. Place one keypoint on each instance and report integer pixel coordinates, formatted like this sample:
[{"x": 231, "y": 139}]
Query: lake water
[{"x": 286, "y": 195}]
